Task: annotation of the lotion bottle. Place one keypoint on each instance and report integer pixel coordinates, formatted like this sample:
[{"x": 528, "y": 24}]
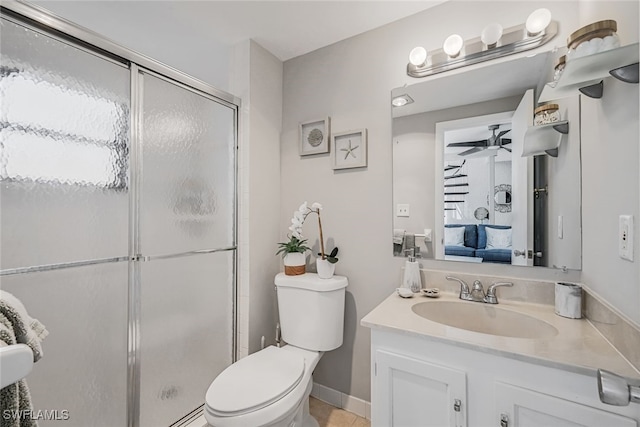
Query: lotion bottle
[{"x": 411, "y": 279}]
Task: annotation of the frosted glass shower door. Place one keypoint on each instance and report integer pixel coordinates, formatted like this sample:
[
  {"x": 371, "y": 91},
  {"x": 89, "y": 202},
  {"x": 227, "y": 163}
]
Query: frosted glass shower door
[
  {"x": 64, "y": 144},
  {"x": 187, "y": 241}
]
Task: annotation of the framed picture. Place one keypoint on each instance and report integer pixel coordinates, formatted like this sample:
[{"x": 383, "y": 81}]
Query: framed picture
[
  {"x": 349, "y": 149},
  {"x": 314, "y": 137}
]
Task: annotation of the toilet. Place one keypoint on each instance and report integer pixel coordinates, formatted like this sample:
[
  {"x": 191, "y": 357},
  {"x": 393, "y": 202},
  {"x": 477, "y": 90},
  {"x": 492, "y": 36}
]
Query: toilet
[{"x": 271, "y": 387}]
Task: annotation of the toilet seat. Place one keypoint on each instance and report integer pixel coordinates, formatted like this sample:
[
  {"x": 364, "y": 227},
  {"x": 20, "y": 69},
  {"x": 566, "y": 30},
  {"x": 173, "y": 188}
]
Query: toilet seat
[{"x": 255, "y": 382}]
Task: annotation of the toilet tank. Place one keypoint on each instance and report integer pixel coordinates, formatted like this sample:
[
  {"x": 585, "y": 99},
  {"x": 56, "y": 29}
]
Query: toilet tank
[{"x": 311, "y": 310}]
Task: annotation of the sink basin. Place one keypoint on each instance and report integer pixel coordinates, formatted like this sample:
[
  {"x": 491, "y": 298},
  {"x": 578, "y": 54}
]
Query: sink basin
[{"x": 484, "y": 318}]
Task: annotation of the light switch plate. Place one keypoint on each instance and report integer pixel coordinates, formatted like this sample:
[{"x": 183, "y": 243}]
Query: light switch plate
[{"x": 625, "y": 237}]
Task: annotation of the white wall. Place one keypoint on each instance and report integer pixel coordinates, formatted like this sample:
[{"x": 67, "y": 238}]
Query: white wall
[
  {"x": 351, "y": 82},
  {"x": 609, "y": 133},
  {"x": 263, "y": 173},
  {"x": 258, "y": 82}
]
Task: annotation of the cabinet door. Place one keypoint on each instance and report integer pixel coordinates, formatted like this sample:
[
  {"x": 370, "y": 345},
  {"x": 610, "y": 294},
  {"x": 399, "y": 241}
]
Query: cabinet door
[
  {"x": 408, "y": 392},
  {"x": 526, "y": 408}
]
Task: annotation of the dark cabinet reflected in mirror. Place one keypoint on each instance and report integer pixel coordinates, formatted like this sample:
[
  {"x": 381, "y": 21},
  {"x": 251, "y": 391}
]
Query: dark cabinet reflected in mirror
[{"x": 466, "y": 191}]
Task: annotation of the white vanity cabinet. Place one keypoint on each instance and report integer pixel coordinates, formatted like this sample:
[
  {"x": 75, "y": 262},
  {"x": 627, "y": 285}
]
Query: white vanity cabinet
[
  {"x": 519, "y": 407},
  {"x": 418, "y": 381},
  {"x": 413, "y": 392}
]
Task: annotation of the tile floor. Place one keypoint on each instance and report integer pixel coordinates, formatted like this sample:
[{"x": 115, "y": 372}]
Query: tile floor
[
  {"x": 330, "y": 416},
  {"x": 327, "y": 416}
]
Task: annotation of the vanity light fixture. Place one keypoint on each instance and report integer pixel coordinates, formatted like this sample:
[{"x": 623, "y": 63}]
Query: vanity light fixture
[
  {"x": 491, "y": 35},
  {"x": 494, "y": 42},
  {"x": 401, "y": 100},
  {"x": 453, "y": 45},
  {"x": 537, "y": 21}
]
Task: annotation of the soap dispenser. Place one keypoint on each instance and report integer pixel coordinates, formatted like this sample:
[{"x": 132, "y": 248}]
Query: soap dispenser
[{"x": 411, "y": 279}]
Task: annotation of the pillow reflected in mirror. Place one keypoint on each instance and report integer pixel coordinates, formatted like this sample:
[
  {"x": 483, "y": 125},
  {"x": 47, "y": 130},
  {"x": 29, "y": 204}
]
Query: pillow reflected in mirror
[
  {"x": 498, "y": 238},
  {"x": 454, "y": 236}
]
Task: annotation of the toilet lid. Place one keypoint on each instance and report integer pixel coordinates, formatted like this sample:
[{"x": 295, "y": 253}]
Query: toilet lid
[{"x": 255, "y": 382}]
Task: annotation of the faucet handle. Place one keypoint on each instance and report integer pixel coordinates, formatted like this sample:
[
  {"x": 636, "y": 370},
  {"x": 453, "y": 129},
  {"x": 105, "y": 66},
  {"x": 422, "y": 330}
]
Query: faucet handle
[
  {"x": 465, "y": 294},
  {"x": 491, "y": 298}
]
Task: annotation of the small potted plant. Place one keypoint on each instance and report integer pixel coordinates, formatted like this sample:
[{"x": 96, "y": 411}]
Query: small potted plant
[
  {"x": 294, "y": 249},
  {"x": 293, "y": 254},
  {"x": 326, "y": 264}
]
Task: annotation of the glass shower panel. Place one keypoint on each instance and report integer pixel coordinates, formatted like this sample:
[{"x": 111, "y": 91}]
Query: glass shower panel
[
  {"x": 83, "y": 369},
  {"x": 186, "y": 332},
  {"x": 188, "y": 157},
  {"x": 64, "y": 141}
]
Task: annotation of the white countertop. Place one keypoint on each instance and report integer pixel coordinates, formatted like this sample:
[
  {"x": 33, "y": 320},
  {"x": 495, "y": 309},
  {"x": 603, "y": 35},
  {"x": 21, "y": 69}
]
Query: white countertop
[{"x": 578, "y": 346}]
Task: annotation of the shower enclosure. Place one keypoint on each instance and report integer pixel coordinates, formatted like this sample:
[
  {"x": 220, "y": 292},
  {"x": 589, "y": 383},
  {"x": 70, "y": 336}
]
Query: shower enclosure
[{"x": 118, "y": 220}]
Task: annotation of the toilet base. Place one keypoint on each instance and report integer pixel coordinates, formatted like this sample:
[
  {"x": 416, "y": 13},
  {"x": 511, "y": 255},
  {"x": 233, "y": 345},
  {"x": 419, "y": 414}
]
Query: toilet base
[{"x": 308, "y": 420}]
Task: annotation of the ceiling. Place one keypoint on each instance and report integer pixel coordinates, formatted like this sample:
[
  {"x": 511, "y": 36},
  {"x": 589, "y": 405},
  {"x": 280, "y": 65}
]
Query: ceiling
[{"x": 285, "y": 28}]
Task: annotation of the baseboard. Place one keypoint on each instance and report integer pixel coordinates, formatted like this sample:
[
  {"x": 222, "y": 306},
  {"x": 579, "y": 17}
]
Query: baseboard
[{"x": 338, "y": 399}]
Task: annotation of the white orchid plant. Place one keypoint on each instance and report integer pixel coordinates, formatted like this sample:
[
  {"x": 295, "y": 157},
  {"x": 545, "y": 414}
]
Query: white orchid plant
[{"x": 297, "y": 242}]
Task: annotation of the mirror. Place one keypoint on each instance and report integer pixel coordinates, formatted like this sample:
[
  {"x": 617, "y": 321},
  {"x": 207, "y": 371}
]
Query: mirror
[
  {"x": 502, "y": 197},
  {"x": 462, "y": 191}
]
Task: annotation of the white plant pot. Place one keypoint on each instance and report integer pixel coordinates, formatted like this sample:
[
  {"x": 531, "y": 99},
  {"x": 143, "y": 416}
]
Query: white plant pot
[
  {"x": 325, "y": 268},
  {"x": 294, "y": 263}
]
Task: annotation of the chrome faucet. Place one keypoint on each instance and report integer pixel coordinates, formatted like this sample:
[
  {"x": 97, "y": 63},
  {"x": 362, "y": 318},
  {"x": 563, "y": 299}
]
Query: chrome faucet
[
  {"x": 491, "y": 298},
  {"x": 465, "y": 293},
  {"x": 476, "y": 293}
]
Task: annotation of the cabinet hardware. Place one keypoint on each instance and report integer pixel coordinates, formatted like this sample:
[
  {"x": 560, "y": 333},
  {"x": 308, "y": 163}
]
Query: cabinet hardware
[{"x": 456, "y": 405}]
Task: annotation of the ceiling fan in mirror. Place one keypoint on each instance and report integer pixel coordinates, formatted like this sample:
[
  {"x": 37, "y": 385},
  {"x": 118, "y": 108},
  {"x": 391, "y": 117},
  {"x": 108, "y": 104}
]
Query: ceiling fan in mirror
[{"x": 494, "y": 142}]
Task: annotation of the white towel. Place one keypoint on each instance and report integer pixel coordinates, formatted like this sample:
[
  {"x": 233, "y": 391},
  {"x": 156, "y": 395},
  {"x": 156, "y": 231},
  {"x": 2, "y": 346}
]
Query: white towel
[
  {"x": 17, "y": 327},
  {"x": 27, "y": 330}
]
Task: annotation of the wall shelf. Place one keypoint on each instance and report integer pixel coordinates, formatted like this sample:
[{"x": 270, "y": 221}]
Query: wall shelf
[
  {"x": 585, "y": 74},
  {"x": 544, "y": 139}
]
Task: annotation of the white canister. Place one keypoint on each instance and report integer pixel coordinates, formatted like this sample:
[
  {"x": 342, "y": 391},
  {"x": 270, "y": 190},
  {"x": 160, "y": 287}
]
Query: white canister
[{"x": 569, "y": 300}]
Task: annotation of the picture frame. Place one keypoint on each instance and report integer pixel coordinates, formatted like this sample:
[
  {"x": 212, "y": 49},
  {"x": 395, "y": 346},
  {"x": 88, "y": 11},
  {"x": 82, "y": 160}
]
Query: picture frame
[
  {"x": 314, "y": 136},
  {"x": 349, "y": 149}
]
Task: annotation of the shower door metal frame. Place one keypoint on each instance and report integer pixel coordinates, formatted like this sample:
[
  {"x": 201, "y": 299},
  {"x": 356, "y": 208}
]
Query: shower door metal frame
[{"x": 41, "y": 20}]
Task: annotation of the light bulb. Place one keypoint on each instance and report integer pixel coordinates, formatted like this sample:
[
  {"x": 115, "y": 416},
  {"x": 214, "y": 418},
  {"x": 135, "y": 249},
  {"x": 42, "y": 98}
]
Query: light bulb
[
  {"x": 418, "y": 56},
  {"x": 453, "y": 45},
  {"x": 401, "y": 100},
  {"x": 537, "y": 21},
  {"x": 491, "y": 34}
]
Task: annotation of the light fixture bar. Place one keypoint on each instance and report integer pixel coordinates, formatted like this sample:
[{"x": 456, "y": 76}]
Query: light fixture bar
[{"x": 514, "y": 39}]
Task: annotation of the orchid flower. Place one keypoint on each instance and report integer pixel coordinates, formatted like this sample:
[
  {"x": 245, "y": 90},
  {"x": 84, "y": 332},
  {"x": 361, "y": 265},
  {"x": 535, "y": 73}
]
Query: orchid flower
[{"x": 297, "y": 221}]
